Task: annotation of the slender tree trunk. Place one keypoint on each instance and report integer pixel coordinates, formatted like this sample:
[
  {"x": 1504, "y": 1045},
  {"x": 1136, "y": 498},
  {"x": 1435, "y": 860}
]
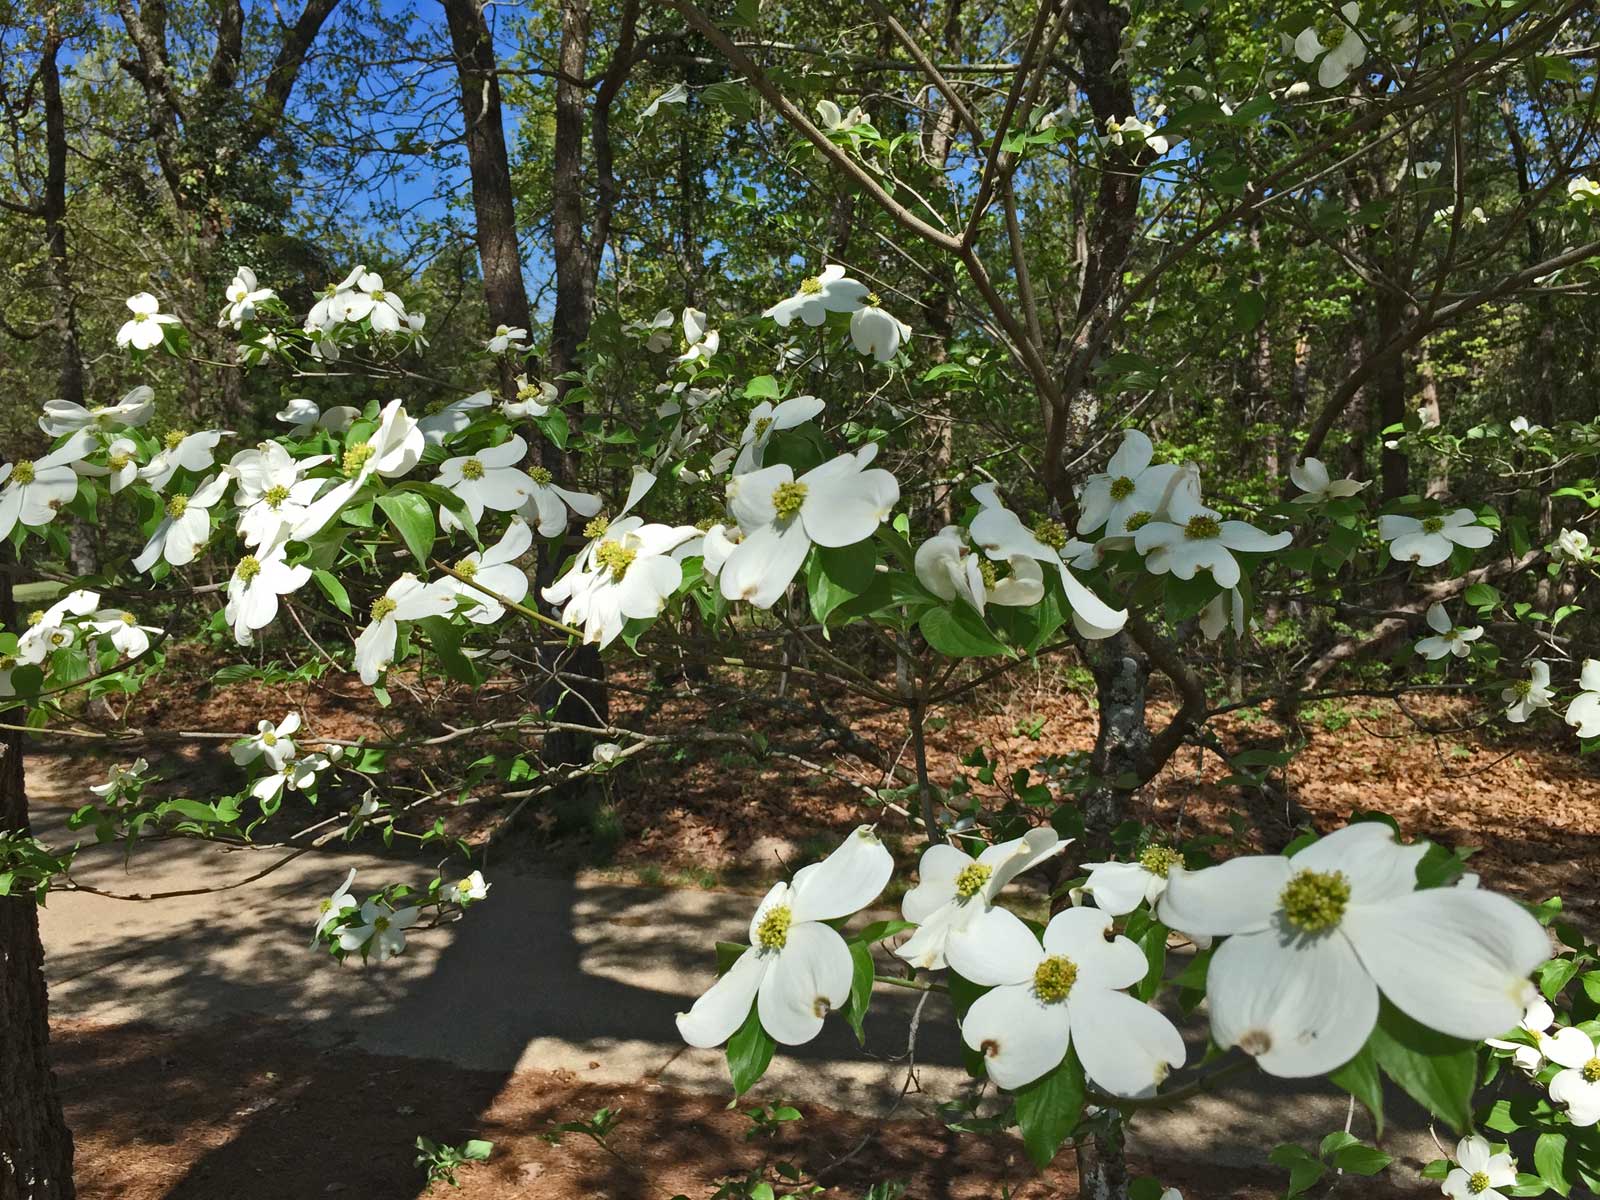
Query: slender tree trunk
[
  {"x": 1390, "y": 386},
  {"x": 35, "y": 1144}
]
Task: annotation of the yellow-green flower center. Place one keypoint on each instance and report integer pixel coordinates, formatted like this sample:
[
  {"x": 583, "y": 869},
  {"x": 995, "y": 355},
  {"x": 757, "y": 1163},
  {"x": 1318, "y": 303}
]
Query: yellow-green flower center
[
  {"x": 327, "y": 905},
  {"x": 464, "y": 886},
  {"x": 249, "y": 567},
  {"x": 36, "y": 616},
  {"x": 788, "y": 497},
  {"x": 1433, "y": 525},
  {"x": 762, "y": 425},
  {"x": 382, "y": 607},
  {"x": 773, "y": 931},
  {"x": 597, "y": 527},
  {"x": 275, "y": 495},
  {"x": 380, "y": 924},
  {"x": 990, "y": 572},
  {"x": 1121, "y": 487},
  {"x": 1159, "y": 860},
  {"x": 971, "y": 879},
  {"x": 1478, "y": 1183},
  {"x": 23, "y": 473},
  {"x": 1591, "y": 1071},
  {"x": 58, "y": 638},
  {"x": 269, "y": 738},
  {"x": 129, "y": 619},
  {"x": 116, "y": 462},
  {"x": 872, "y": 300},
  {"x": 616, "y": 558},
  {"x": 466, "y": 568},
  {"x": 1314, "y": 901},
  {"x": 528, "y": 391},
  {"x": 7, "y": 662},
  {"x": 1051, "y": 532},
  {"x": 1200, "y": 529},
  {"x": 177, "y": 506},
  {"x": 540, "y": 476},
  {"x": 378, "y": 295},
  {"x": 811, "y": 286},
  {"x": 472, "y": 469},
  {"x": 1138, "y": 521},
  {"x": 175, "y": 438},
  {"x": 357, "y": 457},
  {"x": 1054, "y": 977}
]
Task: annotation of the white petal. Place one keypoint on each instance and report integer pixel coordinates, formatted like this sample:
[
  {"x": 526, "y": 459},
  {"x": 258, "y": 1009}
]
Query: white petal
[
  {"x": 717, "y": 1015},
  {"x": 1126, "y": 1047},
  {"x": 1302, "y": 1006},
  {"x": 1483, "y": 944},
  {"x": 762, "y": 566},
  {"x": 1568, "y": 1047},
  {"x": 1378, "y": 867},
  {"x": 1010, "y": 859},
  {"x": 936, "y": 882},
  {"x": 1117, "y": 888},
  {"x": 1080, "y": 934},
  {"x": 842, "y": 506},
  {"x": 846, "y": 881},
  {"x": 1239, "y": 896},
  {"x": 809, "y": 978},
  {"x": 994, "y": 948},
  {"x": 1020, "y": 1038}
]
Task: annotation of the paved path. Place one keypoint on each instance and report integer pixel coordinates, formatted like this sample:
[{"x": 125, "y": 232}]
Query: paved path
[{"x": 550, "y": 972}]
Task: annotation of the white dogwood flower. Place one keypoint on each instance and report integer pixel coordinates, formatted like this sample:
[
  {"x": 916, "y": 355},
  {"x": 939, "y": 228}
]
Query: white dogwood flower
[
  {"x": 65, "y": 416},
  {"x": 1449, "y": 638},
  {"x": 369, "y": 300},
  {"x": 143, "y": 330},
  {"x": 407, "y": 599},
  {"x": 193, "y": 452},
  {"x": 1577, "y": 1085},
  {"x": 438, "y": 427},
  {"x": 547, "y": 502},
  {"x": 1198, "y": 538},
  {"x": 678, "y": 93},
  {"x": 953, "y": 888},
  {"x": 254, "y": 588},
  {"x": 702, "y": 342},
  {"x": 380, "y": 931},
  {"x": 1119, "y": 887},
  {"x": 1066, "y": 992},
  {"x": 1479, "y": 1173},
  {"x": 507, "y": 337},
  {"x": 185, "y": 526},
  {"x": 120, "y": 777},
  {"x": 1573, "y": 544},
  {"x": 946, "y": 565},
  {"x": 1224, "y": 610},
  {"x": 303, "y": 416},
  {"x": 876, "y": 333},
  {"x": 767, "y": 419},
  {"x": 335, "y": 906},
  {"x": 121, "y": 466},
  {"x": 394, "y": 448},
  {"x": 1130, "y": 485},
  {"x": 819, "y": 295},
  {"x": 496, "y": 570},
  {"x": 1583, "y": 714},
  {"x": 657, "y": 331},
  {"x": 275, "y": 743},
  {"x": 466, "y": 890},
  {"x": 1428, "y": 541},
  {"x": 1349, "y": 51},
  {"x": 1311, "y": 477},
  {"x": 486, "y": 479},
  {"x": 1536, "y": 1023},
  {"x": 796, "y": 969},
  {"x": 1527, "y": 696},
  {"x": 122, "y": 629},
  {"x": 243, "y": 295},
  {"x": 1315, "y": 937},
  {"x": 329, "y": 310},
  {"x": 32, "y": 491},
  {"x": 631, "y": 574},
  {"x": 1003, "y": 536},
  {"x": 533, "y": 400},
  {"x": 294, "y": 774},
  {"x": 837, "y": 504}
]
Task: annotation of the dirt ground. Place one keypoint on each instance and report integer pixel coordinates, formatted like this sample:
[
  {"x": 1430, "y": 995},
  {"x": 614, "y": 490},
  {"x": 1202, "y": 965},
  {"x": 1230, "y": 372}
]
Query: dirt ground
[{"x": 159, "y": 1117}]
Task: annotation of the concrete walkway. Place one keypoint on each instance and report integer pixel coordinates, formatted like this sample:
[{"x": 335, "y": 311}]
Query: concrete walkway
[{"x": 554, "y": 973}]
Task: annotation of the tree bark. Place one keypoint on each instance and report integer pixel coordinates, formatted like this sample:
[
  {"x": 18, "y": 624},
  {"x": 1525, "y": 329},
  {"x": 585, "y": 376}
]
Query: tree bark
[{"x": 35, "y": 1144}]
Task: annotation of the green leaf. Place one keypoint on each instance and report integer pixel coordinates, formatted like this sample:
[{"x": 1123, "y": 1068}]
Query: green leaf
[
  {"x": 445, "y": 641},
  {"x": 958, "y": 632},
  {"x": 1436, "y": 1071},
  {"x": 1346, "y": 1152},
  {"x": 1048, "y": 1109},
  {"x": 1304, "y": 1170},
  {"x": 477, "y": 1150},
  {"x": 878, "y": 930},
  {"x": 1549, "y": 1158},
  {"x": 762, "y": 387},
  {"x": 412, "y": 518},
  {"x": 749, "y": 1053},
  {"x": 852, "y": 568},
  {"x": 1359, "y": 1077},
  {"x": 333, "y": 590},
  {"x": 860, "y": 988}
]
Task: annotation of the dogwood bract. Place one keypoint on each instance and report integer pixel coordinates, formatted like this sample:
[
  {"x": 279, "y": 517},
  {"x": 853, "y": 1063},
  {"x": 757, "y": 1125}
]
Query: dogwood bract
[
  {"x": 953, "y": 888},
  {"x": 1064, "y": 993},
  {"x": 65, "y": 416},
  {"x": 379, "y": 932},
  {"x": 467, "y": 889},
  {"x": 767, "y": 419},
  {"x": 254, "y": 588},
  {"x": 1198, "y": 538},
  {"x": 122, "y": 629},
  {"x": 631, "y": 572},
  {"x": 195, "y": 452},
  {"x": 837, "y": 504},
  {"x": 948, "y": 568},
  {"x": 1577, "y": 1085},
  {"x": 1131, "y": 484},
  {"x": 243, "y": 295},
  {"x": 1428, "y": 541},
  {"x": 33, "y": 490},
  {"x": 507, "y": 337},
  {"x": 1349, "y": 50},
  {"x": 1449, "y": 639},
  {"x": 1315, "y": 937},
  {"x": 1311, "y": 477},
  {"x": 395, "y": 447},
  {"x": 1118, "y": 887},
  {"x": 487, "y": 478},
  {"x": 876, "y": 333},
  {"x": 494, "y": 569},
  {"x": 796, "y": 969},
  {"x": 275, "y": 743},
  {"x": 334, "y": 907},
  {"x": 1536, "y": 1023}
]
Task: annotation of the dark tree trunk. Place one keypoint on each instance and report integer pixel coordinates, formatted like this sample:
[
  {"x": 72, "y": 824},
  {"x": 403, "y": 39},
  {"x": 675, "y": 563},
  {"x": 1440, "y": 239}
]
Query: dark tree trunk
[{"x": 35, "y": 1144}]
